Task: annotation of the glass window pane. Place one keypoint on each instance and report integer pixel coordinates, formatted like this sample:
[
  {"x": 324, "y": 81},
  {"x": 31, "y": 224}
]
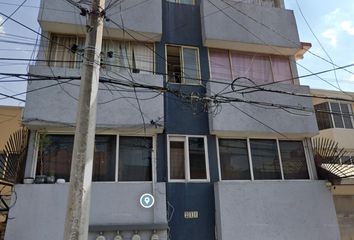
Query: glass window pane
[
  {"x": 105, "y": 159},
  {"x": 191, "y": 66},
  {"x": 220, "y": 64},
  {"x": 255, "y": 67},
  {"x": 323, "y": 116},
  {"x": 187, "y": 1},
  {"x": 347, "y": 115},
  {"x": 143, "y": 57},
  {"x": 135, "y": 159},
  {"x": 54, "y": 158},
  {"x": 197, "y": 158},
  {"x": 337, "y": 115},
  {"x": 177, "y": 170},
  {"x": 293, "y": 160},
  {"x": 234, "y": 162},
  {"x": 265, "y": 159},
  {"x": 281, "y": 69},
  {"x": 174, "y": 64}
]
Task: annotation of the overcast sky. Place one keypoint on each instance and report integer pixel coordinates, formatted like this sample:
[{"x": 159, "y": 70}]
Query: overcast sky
[{"x": 331, "y": 21}]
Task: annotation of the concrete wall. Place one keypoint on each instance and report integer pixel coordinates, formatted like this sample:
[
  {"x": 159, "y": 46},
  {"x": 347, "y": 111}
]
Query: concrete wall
[
  {"x": 343, "y": 136},
  {"x": 57, "y": 104},
  {"x": 231, "y": 121},
  {"x": 249, "y": 27},
  {"x": 10, "y": 118},
  {"x": 272, "y": 210},
  {"x": 345, "y": 214},
  {"x": 39, "y": 209},
  {"x": 62, "y": 17}
]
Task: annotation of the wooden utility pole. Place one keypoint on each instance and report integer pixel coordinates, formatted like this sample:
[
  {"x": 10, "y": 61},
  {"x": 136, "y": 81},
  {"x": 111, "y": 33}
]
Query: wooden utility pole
[{"x": 78, "y": 205}]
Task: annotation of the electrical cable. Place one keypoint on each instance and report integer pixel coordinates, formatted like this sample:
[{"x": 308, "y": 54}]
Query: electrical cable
[{"x": 7, "y": 18}]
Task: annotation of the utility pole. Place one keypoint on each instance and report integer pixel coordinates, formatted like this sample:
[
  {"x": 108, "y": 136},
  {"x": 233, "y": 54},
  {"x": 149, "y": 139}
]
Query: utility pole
[{"x": 78, "y": 205}]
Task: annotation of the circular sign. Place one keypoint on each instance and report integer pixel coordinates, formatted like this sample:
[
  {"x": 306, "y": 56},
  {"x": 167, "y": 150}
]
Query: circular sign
[{"x": 147, "y": 200}]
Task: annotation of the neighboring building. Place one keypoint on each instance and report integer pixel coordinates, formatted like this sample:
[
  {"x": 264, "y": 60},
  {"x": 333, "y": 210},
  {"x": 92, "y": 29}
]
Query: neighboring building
[
  {"x": 335, "y": 120},
  {"x": 10, "y": 122},
  {"x": 217, "y": 170}
]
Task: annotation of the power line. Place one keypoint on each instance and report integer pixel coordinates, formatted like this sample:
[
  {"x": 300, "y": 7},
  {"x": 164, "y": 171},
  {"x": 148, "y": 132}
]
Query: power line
[
  {"x": 260, "y": 39},
  {"x": 318, "y": 40},
  {"x": 7, "y": 18},
  {"x": 283, "y": 36},
  {"x": 210, "y": 80}
]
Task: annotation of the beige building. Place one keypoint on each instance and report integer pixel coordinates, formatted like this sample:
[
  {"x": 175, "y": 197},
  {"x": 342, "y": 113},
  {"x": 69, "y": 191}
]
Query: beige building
[
  {"x": 10, "y": 121},
  {"x": 335, "y": 121}
]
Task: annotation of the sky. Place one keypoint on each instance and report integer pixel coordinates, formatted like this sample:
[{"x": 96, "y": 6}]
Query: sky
[{"x": 332, "y": 23}]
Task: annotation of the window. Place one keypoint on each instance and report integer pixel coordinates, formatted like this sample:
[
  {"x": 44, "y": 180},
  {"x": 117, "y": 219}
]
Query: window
[
  {"x": 234, "y": 161},
  {"x": 117, "y": 55},
  {"x": 135, "y": 159},
  {"x": 191, "y": 2},
  {"x": 55, "y": 153},
  {"x": 134, "y": 162},
  {"x": 265, "y": 159},
  {"x": 67, "y": 51},
  {"x": 271, "y": 159},
  {"x": 293, "y": 160},
  {"x": 323, "y": 116},
  {"x": 187, "y": 158},
  {"x": 228, "y": 65},
  {"x": 337, "y": 115},
  {"x": 183, "y": 64},
  {"x": 60, "y": 52}
]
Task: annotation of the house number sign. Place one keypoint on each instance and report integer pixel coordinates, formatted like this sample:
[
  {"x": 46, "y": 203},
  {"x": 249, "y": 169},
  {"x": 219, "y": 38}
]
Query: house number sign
[{"x": 191, "y": 214}]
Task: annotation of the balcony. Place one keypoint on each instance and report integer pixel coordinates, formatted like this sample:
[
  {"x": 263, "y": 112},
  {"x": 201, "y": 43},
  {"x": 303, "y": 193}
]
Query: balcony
[
  {"x": 40, "y": 209},
  {"x": 253, "y": 120},
  {"x": 275, "y": 210},
  {"x": 59, "y": 16},
  {"x": 249, "y": 27},
  {"x": 56, "y": 104}
]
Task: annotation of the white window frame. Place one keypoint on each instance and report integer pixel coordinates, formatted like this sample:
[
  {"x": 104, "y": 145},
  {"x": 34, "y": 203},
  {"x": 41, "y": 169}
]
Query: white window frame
[
  {"x": 182, "y": 65},
  {"x": 341, "y": 112},
  {"x": 153, "y": 154},
  {"x": 248, "y": 139},
  {"x": 185, "y": 139}
]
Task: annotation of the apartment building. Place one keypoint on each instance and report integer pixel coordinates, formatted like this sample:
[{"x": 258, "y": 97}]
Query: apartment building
[
  {"x": 223, "y": 160},
  {"x": 336, "y": 122}
]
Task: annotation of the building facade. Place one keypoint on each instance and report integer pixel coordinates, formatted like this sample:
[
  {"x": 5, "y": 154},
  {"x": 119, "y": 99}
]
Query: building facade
[
  {"x": 336, "y": 122},
  {"x": 224, "y": 158}
]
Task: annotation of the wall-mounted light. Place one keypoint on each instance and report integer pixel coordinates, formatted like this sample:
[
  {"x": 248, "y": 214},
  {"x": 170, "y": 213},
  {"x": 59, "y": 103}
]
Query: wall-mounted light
[
  {"x": 101, "y": 237},
  {"x": 118, "y": 236},
  {"x": 154, "y": 236},
  {"x": 136, "y": 236}
]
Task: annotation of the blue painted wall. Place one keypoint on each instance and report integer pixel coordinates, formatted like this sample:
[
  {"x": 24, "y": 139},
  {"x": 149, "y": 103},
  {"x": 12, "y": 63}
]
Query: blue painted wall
[{"x": 182, "y": 26}]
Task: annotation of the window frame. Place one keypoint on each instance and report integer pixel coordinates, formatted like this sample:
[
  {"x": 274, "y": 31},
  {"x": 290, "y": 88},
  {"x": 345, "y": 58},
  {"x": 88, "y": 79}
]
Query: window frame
[
  {"x": 333, "y": 124},
  {"x": 117, "y": 138},
  {"x": 269, "y": 56},
  {"x": 77, "y": 65},
  {"x": 185, "y": 139},
  {"x": 309, "y": 167},
  {"x": 341, "y": 114},
  {"x": 183, "y": 82}
]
